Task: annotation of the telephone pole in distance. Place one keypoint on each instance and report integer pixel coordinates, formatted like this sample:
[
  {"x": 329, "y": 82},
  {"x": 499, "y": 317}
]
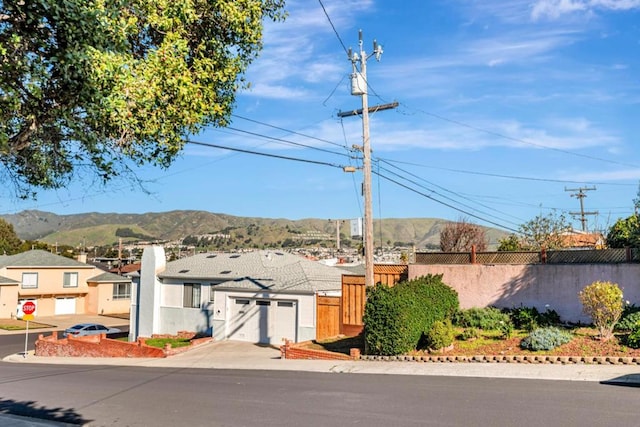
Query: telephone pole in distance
[{"x": 580, "y": 195}]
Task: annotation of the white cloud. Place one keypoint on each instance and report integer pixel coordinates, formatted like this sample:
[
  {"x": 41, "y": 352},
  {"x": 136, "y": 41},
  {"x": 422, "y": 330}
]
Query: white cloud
[
  {"x": 471, "y": 135},
  {"x": 294, "y": 51},
  {"x": 619, "y": 175},
  {"x": 553, "y": 9}
]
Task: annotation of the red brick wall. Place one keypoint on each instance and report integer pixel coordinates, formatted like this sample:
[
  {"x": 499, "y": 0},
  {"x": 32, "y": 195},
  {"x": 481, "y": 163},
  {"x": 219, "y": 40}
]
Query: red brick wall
[
  {"x": 297, "y": 351},
  {"x": 100, "y": 346}
]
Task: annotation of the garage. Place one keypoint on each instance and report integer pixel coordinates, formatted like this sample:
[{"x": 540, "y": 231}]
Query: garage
[
  {"x": 265, "y": 321},
  {"x": 65, "y": 306}
]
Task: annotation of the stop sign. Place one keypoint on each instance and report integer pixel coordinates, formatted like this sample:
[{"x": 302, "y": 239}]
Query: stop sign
[{"x": 28, "y": 307}]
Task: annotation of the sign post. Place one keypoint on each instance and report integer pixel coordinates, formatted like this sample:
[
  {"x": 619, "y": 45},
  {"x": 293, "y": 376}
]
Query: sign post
[{"x": 28, "y": 308}]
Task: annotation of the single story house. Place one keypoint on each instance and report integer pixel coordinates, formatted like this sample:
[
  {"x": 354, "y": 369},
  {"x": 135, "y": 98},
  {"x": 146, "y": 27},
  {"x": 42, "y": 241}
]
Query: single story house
[
  {"x": 260, "y": 296},
  {"x": 59, "y": 285}
]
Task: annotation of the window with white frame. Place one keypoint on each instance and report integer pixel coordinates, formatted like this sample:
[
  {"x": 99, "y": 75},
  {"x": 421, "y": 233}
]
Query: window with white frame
[
  {"x": 29, "y": 280},
  {"x": 191, "y": 295},
  {"x": 212, "y": 292},
  {"x": 70, "y": 280},
  {"x": 121, "y": 291}
]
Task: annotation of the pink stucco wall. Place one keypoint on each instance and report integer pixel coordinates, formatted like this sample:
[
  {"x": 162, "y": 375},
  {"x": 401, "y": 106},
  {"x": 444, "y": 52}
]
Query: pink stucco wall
[{"x": 532, "y": 285}]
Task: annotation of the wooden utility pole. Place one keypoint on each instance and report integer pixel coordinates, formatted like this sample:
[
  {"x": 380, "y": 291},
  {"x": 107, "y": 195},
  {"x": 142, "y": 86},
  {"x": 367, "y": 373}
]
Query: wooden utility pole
[
  {"x": 580, "y": 196},
  {"x": 359, "y": 88}
]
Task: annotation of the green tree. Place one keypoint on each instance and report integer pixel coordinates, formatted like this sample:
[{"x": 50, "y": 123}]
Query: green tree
[
  {"x": 544, "y": 232},
  {"x": 103, "y": 84},
  {"x": 625, "y": 232},
  {"x": 511, "y": 243},
  {"x": 9, "y": 241},
  {"x": 28, "y": 245}
]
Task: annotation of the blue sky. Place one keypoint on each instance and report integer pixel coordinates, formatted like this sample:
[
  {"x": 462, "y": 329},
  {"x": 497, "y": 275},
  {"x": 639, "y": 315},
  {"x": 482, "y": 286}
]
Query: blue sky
[{"x": 504, "y": 106}]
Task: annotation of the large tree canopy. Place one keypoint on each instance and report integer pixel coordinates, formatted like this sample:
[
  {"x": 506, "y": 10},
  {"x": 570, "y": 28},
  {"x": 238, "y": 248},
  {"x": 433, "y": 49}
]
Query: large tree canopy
[
  {"x": 9, "y": 241},
  {"x": 545, "y": 232},
  {"x": 94, "y": 83},
  {"x": 625, "y": 232}
]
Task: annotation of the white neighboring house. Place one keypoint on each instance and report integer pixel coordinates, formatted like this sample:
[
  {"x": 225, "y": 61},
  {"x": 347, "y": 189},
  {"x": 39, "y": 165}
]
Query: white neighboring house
[{"x": 260, "y": 297}]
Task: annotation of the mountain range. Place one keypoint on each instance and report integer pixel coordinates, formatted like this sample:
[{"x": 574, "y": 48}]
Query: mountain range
[{"x": 103, "y": 229}]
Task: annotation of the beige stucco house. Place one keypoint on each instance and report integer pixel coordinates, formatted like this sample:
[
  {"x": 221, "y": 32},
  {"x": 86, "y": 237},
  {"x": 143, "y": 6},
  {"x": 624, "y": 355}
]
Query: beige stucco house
[{"x": 59, "y": 285}]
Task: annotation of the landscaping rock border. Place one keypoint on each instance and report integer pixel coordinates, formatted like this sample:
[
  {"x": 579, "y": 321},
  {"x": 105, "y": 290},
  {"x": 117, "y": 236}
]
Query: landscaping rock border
[{"x": 538, "y": 359}]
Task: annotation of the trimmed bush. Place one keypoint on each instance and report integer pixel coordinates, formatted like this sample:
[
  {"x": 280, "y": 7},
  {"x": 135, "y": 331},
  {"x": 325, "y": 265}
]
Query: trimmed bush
[
  {"x": 630, "y": 316},
  {"x": 628, "y": 322},
  {"x": 529, "y": 318},
  {"x": 487, "y": 318},
  {"x": 525, "y": 318},
  {"x": 506, "y": 329},
  {"x": 383, "y": 319},
  {"x": 441, "y": 335},
  {"x": 603, "y": 302},
  {"x": 545, "y": 339},
  {"x": 633, "y": 340},
  {"x": 549, "y": 318},
  {"x": 397, "y": 319},
  {"x": 469, "y": 334}
]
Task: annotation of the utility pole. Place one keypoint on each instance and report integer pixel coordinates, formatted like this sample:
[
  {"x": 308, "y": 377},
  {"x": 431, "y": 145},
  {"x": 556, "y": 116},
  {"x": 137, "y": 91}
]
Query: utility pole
[
  {"x": 338, "y": 222},
  {"x": 580, "y": 196},
  {"x": 359, "y": 88}
]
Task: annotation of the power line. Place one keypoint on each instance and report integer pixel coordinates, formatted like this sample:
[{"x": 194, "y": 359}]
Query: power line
[
  {"x": 333, "y": 26},
  {"x": 519, "y": 140},
  {"x": 288, "y": 130},
  {"x": 449, "y": 205},
  {"x": 276, "y": 156},
  {"x": 431, "y": 191},
  {"x": 259, "y": 135},
  {"x": 495, "y": 175},
  {"x": 448, "y": 191}
]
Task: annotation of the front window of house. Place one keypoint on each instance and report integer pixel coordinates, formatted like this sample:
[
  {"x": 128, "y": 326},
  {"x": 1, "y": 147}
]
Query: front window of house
[
  {"x": 29, "y": 280},
  {"x": 191, "y": 295},
  {"x": 121, "y": 291},
  {"x": 70, "y": 280}
]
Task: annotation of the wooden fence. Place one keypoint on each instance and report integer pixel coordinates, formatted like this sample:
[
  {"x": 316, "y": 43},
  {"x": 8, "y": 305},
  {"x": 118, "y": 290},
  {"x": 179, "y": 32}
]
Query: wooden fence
[
  {"x": 350, "y": 308},
  {"x": 328, "y": 315},
  {"x": 565, "y": 256}
]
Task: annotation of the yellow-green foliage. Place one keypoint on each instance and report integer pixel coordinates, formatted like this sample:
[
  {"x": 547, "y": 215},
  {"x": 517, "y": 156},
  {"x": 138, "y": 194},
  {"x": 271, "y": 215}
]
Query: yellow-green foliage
[{"x": 603, "y": 302}]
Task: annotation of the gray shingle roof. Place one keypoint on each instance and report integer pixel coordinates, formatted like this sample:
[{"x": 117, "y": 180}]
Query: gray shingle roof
[
  {"x": 108, "y": 278},
  {"x": 7, "y": 281},
  {"x": 40, "y": 258},
  {"x": 259, "y": 270}
]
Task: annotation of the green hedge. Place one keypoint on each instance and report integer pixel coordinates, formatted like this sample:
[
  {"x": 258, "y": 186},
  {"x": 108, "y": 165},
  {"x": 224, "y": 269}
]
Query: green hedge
[{"x": 397, "y": 319}]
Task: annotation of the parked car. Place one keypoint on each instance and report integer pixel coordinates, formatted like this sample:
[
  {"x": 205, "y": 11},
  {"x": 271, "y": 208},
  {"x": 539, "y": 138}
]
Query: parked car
[{"x": 83, "y": 329}]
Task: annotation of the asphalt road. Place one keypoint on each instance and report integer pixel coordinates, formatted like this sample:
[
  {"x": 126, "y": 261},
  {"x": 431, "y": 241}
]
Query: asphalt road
[{"x": 135, "y": 396}]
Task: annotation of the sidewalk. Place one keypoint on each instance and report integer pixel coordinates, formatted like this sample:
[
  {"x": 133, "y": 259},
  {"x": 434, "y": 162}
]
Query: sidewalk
[{"x": 241, "y": 355}]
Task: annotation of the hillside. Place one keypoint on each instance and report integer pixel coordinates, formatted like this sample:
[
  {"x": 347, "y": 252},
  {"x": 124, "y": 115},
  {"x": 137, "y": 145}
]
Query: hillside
[{"x": 101, "y": 229}]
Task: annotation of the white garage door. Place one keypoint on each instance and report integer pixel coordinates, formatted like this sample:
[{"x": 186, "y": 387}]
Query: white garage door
[
  {"x": 65, "y": 306},
  {"x": 266, "y": 321}
]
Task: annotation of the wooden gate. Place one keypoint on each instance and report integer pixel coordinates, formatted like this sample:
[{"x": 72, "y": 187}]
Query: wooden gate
[
  {"x": 354, "y": 294},
  {"x": 328, "y": 317}
]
